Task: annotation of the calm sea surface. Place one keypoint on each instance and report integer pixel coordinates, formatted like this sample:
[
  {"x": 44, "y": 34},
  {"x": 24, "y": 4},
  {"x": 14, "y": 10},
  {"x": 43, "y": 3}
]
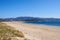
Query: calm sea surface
[{"x": 45, "y": 23}]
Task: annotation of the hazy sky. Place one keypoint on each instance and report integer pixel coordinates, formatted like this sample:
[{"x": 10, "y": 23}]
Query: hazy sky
[{"x": 33, "y": 8}]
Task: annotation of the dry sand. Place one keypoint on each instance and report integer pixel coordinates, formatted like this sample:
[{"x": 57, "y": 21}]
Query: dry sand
[{"x": 36, "y": 32}]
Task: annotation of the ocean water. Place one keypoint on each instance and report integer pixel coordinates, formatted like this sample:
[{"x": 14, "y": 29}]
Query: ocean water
[{"x": 45, "y": 23}]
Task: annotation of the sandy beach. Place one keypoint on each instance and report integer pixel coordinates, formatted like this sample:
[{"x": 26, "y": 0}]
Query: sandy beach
[{"x": 36, "y": 32}]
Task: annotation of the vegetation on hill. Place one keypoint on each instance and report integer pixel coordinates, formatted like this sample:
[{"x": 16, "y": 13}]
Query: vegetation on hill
[
  {"x": 6, "y": 32},
  {"x": 2, "y": 20},
  {"x": 32, "y": 19}
]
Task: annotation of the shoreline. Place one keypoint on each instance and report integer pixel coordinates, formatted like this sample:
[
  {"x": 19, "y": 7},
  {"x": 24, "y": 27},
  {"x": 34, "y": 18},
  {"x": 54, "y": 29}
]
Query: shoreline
[
  {"x": 43, "y": 25},
  {"x": 36, "y": 32}
]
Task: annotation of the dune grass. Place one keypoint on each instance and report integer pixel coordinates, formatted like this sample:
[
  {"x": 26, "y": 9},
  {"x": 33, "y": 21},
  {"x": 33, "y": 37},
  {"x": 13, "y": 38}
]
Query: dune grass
[{"x": 8, "y": 32}]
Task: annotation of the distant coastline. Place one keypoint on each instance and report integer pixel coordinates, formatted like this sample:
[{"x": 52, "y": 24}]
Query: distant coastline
[{"x": 35, "y": 20}]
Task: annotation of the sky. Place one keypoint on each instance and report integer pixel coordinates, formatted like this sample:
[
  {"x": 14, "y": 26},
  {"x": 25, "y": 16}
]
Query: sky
[{"x": 30, "y": 8}]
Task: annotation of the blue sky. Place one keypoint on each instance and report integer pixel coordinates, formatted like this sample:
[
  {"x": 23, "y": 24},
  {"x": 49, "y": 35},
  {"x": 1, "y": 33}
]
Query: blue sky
[{"x": 32, "y": 8}]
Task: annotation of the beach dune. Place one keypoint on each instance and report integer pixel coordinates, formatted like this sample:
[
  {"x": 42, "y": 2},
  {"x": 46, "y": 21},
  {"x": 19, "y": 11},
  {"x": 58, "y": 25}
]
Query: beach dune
[{"x": 36, "y": 32}]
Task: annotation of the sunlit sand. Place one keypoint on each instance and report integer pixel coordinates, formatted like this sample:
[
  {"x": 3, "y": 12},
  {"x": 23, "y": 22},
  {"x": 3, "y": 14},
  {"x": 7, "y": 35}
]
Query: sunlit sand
[{"x": 36, "y": 32}]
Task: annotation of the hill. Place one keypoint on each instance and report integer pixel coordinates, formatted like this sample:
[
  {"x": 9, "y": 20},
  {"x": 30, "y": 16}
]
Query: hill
[{"x": 33, "y": 19}]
